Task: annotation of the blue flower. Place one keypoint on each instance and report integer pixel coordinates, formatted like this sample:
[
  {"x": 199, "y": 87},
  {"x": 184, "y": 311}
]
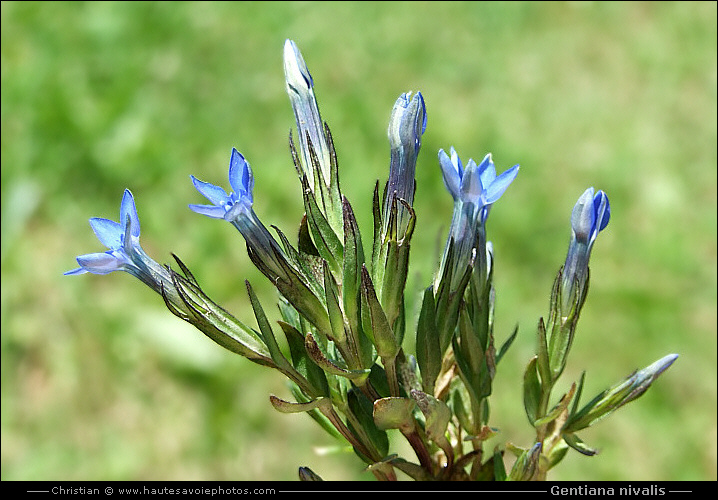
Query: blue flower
[
  {"x": 264, "y": 251},
  {"x": 125, "y": 253},
  {"x": 590, "y": 215},
  {"x": 236, "y": 208},
  {"x": 406, "y": 125},
  {"x": 476, "y": 184},
  {"x": 228, "y": 206},
  {"x": 475, "y": 188}
]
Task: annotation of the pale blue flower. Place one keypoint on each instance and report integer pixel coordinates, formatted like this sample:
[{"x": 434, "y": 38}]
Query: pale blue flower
[
  {"x": 475, "y": 188},
  {"x": 125, "y": 253},
  {"x": 300, "y": 88},
  {"x": 225, "y": 205},
  {"x": 590, "y": 215},
  {"x": 476, "y": 184},
  {"x": 406, "y": 125},
  {"x": 236, "y": 207},
  {"x": 264, "y": 251}
]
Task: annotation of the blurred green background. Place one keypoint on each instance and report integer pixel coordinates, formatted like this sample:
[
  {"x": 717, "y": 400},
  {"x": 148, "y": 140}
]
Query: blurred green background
[{"x": 99, "y": 381}]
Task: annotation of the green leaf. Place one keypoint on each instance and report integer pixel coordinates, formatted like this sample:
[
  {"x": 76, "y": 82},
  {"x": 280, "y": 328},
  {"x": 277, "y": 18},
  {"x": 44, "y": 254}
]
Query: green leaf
[
  {"x": 575, "y": 442},
  {"x": 336, "y": 318},
  {"x": 374, "y": 320},
  {"x": 437, "y": 416},
  {"x": 283, "y": 406},
  {"x": 558, "y": 452},
  {"x": 302, "y": 363},
  {"x": 532, "y": 391},
  {"x": 559, "y": 410},
  {"x": 499, "y": 467},
  {"x": 325, "y": 239},
  {"x": 622, "y": 393},
  {"x": 505, "y": 346},
  {"x": 331, "y": 367},
  {"x": 266, "y": 330},
  {"x": 363, "y": 412},
  {"x": 394, "y": 413}
]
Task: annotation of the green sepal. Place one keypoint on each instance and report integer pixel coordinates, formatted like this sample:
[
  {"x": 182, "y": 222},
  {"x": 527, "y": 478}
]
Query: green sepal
[
  {"x": 577, "y": 444},
  {"x": 309, "y": 266},
  {"x": 216, "y": 323},
  {"x": 428, "y": 353},
  {"x": 394, "y": 413},
  {"x": 331, "y": 367},
  {"x": 563, "y": 328},
  {"x": 532, "y": 391}
]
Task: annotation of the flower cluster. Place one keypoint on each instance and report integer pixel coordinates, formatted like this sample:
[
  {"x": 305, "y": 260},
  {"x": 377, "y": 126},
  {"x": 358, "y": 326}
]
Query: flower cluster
[{"x": 344, "y": 319}]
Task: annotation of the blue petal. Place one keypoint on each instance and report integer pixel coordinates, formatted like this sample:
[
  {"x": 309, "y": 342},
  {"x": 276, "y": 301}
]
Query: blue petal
[
  {"x": 108, "y": 232},
  {"x": 451, "y": 173},
  {"x": 500, "y": 183},
  {"x": 240, "y": 175},
  {"x": 79, "y": 270},
  {"x": 487, "y": 171},
  {"x": 294, "y": 63},
  {"x": 457, "y": 162},
  {"x": 602, "y": 209},
  {"x": 128, "y": 209},
  {"x": 100, "y": 263},
  {"x": 423, "y": 111},
  {"x": 583, "y": 217},
  {"x": 471, "y": 183},
  {"x": 215, "y": 194},
  {"x": 209, "y": 210}
]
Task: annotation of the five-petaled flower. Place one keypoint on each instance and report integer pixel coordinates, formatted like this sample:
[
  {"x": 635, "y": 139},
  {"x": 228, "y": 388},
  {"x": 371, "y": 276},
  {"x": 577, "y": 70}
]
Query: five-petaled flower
[
  {"x": 228, "y": 206},
  {"x": 125, "y": 253},
  {"x": 589, "y": 216},
  {"x": 474, "y": 189},
  {"x": 236, "y": 208}
]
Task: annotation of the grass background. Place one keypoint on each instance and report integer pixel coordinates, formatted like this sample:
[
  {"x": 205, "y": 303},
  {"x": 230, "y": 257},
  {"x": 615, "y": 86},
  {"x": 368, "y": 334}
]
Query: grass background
[{"x": 99, "y": 381}]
